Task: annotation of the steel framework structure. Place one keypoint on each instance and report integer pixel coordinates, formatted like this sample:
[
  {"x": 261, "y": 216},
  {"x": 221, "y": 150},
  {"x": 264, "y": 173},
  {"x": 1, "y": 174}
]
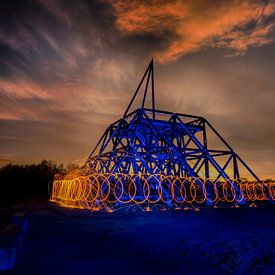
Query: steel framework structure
[
  {"x": 151, "y": 157},
  {"x": 151, "y": 141}
]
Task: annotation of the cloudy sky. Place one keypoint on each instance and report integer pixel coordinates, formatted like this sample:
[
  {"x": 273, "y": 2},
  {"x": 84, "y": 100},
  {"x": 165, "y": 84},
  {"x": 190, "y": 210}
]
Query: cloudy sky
[{"x": 69, "y": 68}]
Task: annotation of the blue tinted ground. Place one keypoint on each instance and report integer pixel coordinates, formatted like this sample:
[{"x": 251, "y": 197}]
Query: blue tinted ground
[{"x": 211, "y": 241}]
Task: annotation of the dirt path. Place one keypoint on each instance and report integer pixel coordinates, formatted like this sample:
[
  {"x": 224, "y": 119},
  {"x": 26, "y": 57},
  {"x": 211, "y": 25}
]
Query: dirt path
[{"x": 213, "y": 241}]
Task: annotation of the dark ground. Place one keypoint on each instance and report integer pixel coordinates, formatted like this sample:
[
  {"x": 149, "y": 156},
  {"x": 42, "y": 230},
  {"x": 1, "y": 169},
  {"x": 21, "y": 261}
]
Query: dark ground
[{"x": 212, "y": 241}]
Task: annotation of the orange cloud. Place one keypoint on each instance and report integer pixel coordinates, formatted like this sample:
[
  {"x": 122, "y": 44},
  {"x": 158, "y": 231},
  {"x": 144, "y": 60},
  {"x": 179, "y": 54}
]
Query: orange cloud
[
  {"x": 195, "y": 25},
  {"x": 240, "y": 41},
  {"x": 22, "y": 89}
]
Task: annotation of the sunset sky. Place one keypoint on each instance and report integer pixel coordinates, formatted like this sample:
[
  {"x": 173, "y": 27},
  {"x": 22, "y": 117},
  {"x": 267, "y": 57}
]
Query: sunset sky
[{"x": 69, "y": 68}]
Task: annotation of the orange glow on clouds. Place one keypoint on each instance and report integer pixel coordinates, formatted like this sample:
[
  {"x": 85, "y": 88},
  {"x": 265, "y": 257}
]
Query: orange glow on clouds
[
  {"x": 195, "y": 25},
  {"x": 23, "y": 89}
]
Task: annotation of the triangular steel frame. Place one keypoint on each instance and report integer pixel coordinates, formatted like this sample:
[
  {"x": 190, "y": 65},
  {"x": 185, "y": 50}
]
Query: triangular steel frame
[{"x": 151, "y": 141}]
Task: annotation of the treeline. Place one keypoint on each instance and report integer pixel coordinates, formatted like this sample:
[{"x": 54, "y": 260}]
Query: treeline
[{"x": 19, "y": 183}]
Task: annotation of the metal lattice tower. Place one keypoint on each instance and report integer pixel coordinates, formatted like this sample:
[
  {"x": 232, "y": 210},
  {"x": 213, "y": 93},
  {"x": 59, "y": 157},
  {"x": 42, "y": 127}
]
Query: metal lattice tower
[{"x": 152, "y": 141}]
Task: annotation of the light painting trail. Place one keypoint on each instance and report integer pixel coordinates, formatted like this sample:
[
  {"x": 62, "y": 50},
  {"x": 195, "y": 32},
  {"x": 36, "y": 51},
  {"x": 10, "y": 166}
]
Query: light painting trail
[{"x": 108, "y": 191}]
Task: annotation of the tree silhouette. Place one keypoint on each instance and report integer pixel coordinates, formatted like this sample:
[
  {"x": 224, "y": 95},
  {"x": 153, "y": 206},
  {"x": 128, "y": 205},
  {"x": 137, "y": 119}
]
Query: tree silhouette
[{"x": 19, "y": 183}]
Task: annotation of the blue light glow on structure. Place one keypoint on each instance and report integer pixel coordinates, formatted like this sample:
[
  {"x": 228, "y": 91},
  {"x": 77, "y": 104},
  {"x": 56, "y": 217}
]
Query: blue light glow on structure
[
  {"x": 152, "y": 156},
  {"x": 151, "y": 141}
]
